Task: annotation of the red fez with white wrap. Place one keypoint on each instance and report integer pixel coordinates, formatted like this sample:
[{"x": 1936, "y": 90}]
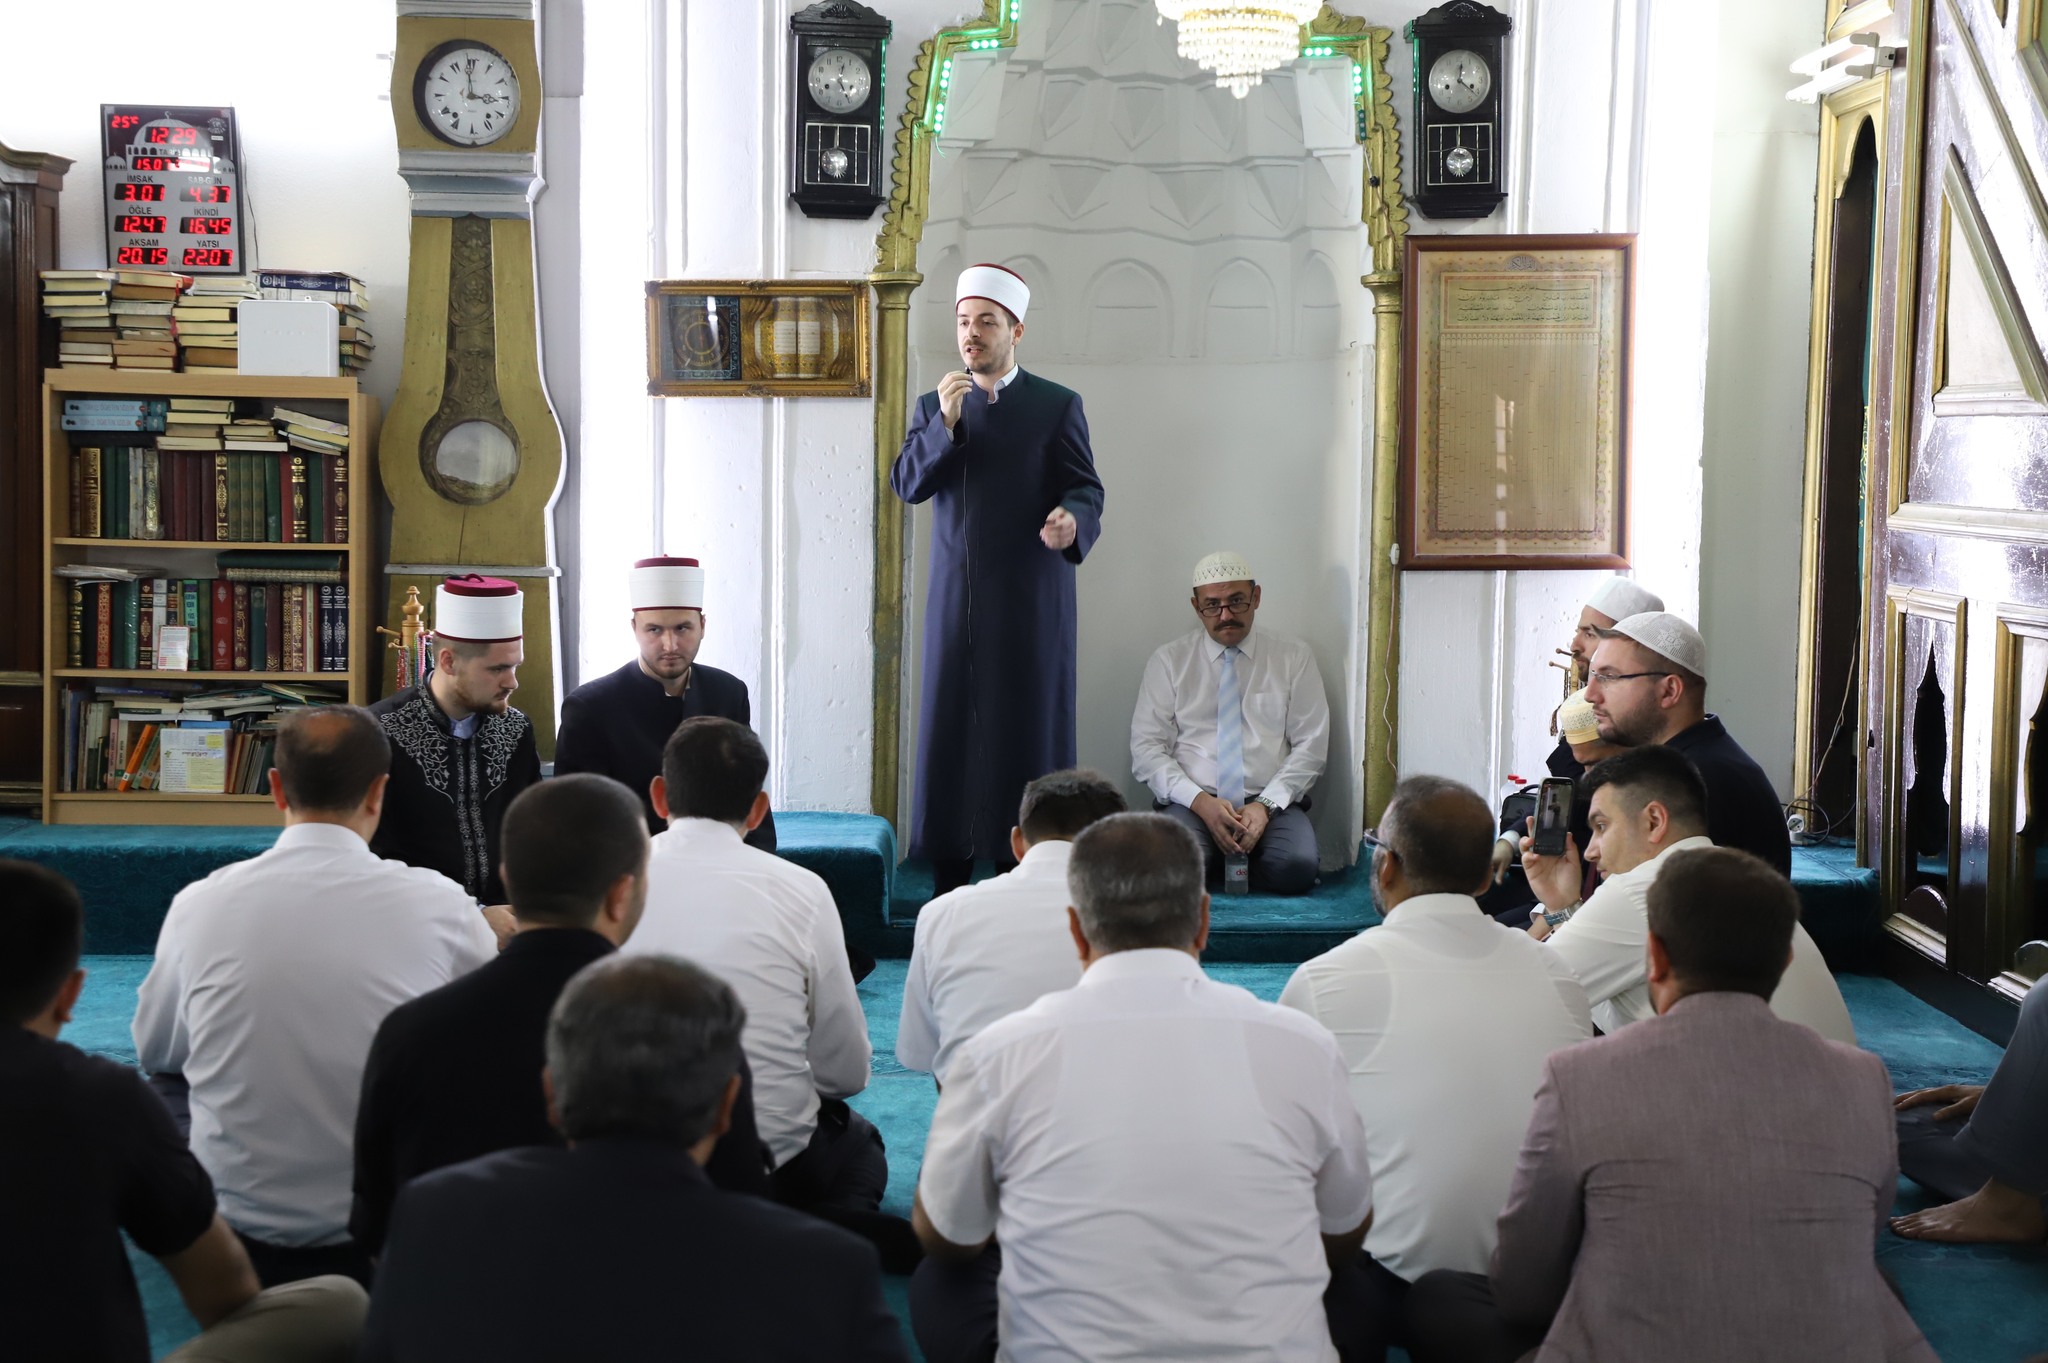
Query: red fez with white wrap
[
  {"x": 995, "y": 283},
  {"x": 472, "y": 609},
  {"x": 668, "y": 584}
]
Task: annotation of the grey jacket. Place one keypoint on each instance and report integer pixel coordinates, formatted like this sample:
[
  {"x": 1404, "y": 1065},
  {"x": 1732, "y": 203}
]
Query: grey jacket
[{"x": 1706, "y": 1186}]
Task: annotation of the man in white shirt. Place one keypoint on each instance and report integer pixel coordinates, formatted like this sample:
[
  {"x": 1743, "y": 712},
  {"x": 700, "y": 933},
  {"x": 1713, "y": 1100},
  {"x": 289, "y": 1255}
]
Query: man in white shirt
[
  {"x": 1172, "y": 1167},
  {"x": 769, "y": 929},
  {"x": 1647, "y": 803},
  {"x": 1231, "y": 731},
  {"x": 984, "y": 951},
  {"x": 270, "y": 980},
  {"x": 1445, "y": 1018}
]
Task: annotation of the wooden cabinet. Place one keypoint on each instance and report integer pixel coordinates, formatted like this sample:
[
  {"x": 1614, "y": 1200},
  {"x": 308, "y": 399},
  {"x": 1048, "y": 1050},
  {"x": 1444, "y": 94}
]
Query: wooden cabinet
[
  {"x": 29, "y": 182},
  {"x": 52, "y": 533}
]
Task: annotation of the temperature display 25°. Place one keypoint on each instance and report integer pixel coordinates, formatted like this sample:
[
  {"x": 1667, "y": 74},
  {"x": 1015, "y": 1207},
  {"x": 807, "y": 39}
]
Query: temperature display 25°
[
  {"x": 136, "y": 222},
  {"x": 143, "y": 255},
  {"x": 195, "y": 227}
]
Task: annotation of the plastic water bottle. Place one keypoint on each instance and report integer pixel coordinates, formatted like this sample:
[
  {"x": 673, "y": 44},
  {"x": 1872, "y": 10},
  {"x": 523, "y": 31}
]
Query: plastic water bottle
[{"x": 1237, "y": 873}]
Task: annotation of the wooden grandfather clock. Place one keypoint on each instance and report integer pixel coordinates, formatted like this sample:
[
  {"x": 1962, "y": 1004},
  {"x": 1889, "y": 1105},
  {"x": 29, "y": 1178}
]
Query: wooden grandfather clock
[{"x": 470, "y": 453}]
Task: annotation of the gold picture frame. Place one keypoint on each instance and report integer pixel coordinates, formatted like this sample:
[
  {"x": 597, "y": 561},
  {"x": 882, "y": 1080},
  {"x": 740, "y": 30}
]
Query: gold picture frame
[
  {"x": 758, "y": 338},
  {"x": 1515, "y": 412}
]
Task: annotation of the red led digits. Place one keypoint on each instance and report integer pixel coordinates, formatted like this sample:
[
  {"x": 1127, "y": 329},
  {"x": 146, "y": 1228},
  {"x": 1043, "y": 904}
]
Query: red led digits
[
  {"x": 140, "y": 194},
  {"x": 135, "y": 222},
  {"x": 208, "y": 257},
  {"x": 143, "y": 255}
]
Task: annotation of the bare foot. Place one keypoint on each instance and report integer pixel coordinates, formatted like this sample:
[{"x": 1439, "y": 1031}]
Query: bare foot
[{"x": 1993, "y": 1215}]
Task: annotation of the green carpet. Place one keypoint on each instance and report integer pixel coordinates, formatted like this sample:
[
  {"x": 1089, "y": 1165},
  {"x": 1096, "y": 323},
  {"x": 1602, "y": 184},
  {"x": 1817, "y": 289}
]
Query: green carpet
[{"x": 1976, "y": 1304}]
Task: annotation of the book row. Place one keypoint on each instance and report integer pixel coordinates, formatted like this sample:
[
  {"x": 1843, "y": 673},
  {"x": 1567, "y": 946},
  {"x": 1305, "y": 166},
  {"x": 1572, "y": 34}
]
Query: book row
[
  {"x": 217, "y": 625},
  {"x": 209, "y": 742},
  {"x": 142, "y": 492}
]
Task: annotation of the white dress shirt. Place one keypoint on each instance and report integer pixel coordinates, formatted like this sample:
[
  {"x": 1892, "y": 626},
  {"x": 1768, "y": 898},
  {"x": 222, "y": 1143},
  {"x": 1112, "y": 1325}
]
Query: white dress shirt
[
  {"x": 984, "y": 951},
  {"x": 768, "y": 928},
  {"x": 1445, "y": 1018},
  {"x": 1604, "y": 944},
  {"x": 270, "y": 979},
  {"x": 1286, "y": 718},
  {"x": 1157, "y": 1154}
]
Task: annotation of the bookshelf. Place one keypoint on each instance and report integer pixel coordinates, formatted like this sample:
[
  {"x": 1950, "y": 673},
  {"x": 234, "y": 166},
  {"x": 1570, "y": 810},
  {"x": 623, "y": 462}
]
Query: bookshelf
[{"x": 339, "y": 399}]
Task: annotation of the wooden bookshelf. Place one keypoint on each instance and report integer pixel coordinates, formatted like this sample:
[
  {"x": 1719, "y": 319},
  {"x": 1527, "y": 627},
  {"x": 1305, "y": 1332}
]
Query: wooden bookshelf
[{"x": 61, "y": 547}]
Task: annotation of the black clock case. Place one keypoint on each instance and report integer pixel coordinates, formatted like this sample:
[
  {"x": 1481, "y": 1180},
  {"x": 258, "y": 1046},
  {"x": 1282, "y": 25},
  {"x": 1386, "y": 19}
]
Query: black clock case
[
  {"x": 855, "y": 27},
  {"x": 1479, "y": 29}
]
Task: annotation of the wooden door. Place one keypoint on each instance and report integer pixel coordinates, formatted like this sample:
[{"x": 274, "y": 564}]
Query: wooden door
[{"x": 1959, "y": 500}]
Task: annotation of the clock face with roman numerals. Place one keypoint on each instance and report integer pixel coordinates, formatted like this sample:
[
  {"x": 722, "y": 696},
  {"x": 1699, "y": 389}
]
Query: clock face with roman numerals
[{"x": 468, "y": 94}]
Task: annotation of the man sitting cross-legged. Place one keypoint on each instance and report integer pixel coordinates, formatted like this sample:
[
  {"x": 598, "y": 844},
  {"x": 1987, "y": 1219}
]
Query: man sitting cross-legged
[
  {"x": 1704, "y": 1187},
  {"x": 984, "y": 951},
  {"x": 456, "y": 1073},
  {"x": 618, "y": 1248},
  {"x": 1647, "y": 805},
  {"x": 270, "y": 980},
  {"x": 1994, "y": 1167},
  {"x": 1445, "y": 1018},
  {"x": 1172, "y": 1167},
  {"x": 769, "y": 928},
  {"x": 91, "y": 1154}
]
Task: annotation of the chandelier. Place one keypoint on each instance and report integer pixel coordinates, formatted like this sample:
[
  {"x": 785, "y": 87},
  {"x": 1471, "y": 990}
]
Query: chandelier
[{"x": 1239, "y": 42}]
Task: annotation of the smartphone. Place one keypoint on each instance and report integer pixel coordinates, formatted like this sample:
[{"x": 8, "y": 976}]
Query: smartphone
[{"x": 1553, "y": 816}]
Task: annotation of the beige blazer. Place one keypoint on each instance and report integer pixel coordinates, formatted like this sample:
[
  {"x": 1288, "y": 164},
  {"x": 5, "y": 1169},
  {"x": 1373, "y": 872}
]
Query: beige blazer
[{"x": 1706, "y": 1187}]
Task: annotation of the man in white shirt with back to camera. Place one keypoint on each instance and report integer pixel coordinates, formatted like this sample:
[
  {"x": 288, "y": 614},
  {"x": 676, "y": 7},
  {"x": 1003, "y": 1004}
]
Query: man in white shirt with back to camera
[
  {"x": 768, "y": 928},
  {"x": 271, "y": 977},
  {"x": 984, "y": 951},
  {"x": 1231, "y": 731},
  {"x": 1647, "y": 803},
  {"x": 1445, "y": 1018},
  {"x": 1173, "y": 1168}
]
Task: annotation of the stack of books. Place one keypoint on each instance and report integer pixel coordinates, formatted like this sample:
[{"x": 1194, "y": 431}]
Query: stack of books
[
  {"x": 140, "y": 304},
  {"x": 349, "y": 295},
  {"x": 260, "y": 612},
  {"x": 205, "y": 319},
  {"x": 78, "y": 300},
  {"x": 175, "y": 737},
  {"x": 195, "y": 424}
]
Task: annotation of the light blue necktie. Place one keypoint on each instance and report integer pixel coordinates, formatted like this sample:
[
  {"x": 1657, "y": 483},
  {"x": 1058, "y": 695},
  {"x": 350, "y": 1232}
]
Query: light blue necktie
[{"x": 1229, "y": 732}]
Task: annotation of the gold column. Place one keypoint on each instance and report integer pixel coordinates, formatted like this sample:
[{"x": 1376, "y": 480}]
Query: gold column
[
  {"x": 892, "y": 365},
  {"x": 1383, "y": 580}
]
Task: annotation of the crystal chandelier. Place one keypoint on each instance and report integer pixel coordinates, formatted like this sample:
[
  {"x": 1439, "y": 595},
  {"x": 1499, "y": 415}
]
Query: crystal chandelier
[{"x": 1240, "y": 42}]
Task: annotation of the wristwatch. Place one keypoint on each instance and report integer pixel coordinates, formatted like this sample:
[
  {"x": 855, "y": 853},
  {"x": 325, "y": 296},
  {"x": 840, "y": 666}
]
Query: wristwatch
[
  {"x": 1566, "y": 912},
  {"x": 1271, "y": 808}
]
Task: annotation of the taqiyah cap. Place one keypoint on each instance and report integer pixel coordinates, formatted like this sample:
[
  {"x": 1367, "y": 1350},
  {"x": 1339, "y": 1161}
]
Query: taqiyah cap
[
  {"x": 996, "y": 283},
  {"x": 478, "y": 610},
  {"x": 1576, "y": 720},
  {"x": 663, "y": 584},
  {"x": 1667, "y": 636},
  {"x": 1225, "y": 565},
  {"x": 1619, "y": 597}
]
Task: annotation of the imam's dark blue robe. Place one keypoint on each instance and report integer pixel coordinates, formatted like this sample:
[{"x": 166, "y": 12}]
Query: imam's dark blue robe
[{"x": 997, "y": 709}]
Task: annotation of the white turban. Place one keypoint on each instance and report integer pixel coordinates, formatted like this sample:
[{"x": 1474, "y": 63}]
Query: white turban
[
  {"x": 1225, "y": 565},
  {"x": 995, "y": 283},
  {"x": 1619, "y": 597},
  {"x": 1669, "y": 637},
  {"x": 663, "y": 584},
  {"x": 478, "y": 610}
]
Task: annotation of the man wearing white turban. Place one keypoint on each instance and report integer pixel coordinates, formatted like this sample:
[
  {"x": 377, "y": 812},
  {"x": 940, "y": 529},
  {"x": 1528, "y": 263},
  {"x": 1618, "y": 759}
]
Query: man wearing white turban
[{"x": 1003, "y": 456}]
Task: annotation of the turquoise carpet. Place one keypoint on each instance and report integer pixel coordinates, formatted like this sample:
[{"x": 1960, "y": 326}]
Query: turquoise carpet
[{"x": 1977, "y": 1305}]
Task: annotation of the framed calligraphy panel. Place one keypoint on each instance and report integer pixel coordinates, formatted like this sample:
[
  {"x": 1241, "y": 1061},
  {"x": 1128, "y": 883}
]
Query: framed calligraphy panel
[
  {"x": 1515, "y": 402},
  {"x": 755, "y": 338}
]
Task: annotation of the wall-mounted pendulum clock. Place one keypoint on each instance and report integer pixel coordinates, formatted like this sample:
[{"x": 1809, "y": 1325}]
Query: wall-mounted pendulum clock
[
  {"x": 471, "y": 454},
  {"x": 1460, "y": 70},
  {"x": 836, "y": 161}
]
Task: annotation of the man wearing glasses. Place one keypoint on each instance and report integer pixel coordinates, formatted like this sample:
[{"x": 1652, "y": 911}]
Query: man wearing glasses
[
  {"x": 1231, "y": 730},
  {"x": 1649, "y": 685}
]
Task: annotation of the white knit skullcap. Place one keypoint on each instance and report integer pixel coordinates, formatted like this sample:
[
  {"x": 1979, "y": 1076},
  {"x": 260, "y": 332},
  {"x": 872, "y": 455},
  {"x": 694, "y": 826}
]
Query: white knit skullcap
[
  {"x": 1225, "y": 565},
  {"x": 1619, "y": 597},
  {"x": 663, "y": 584},
  {"x": 996, "y": 283},
  {"x": 1669, "y": 637},
  {"x": 1576, "y": 720},
  {"x": 478, "y": 610}
]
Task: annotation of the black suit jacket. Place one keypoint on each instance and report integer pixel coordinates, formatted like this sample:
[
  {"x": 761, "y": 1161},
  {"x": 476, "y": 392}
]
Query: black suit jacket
[
  {"x": 455, "y": 1074},
  {"x": 618, "y": 724},
  {"x": 1742, "y": 809},
  {"x": 620, "y": 1250}
]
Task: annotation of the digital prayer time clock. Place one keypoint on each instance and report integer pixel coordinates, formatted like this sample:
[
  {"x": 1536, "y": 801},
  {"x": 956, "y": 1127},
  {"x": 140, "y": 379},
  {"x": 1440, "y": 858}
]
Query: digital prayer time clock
[{"x": 174, "y": 189}]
